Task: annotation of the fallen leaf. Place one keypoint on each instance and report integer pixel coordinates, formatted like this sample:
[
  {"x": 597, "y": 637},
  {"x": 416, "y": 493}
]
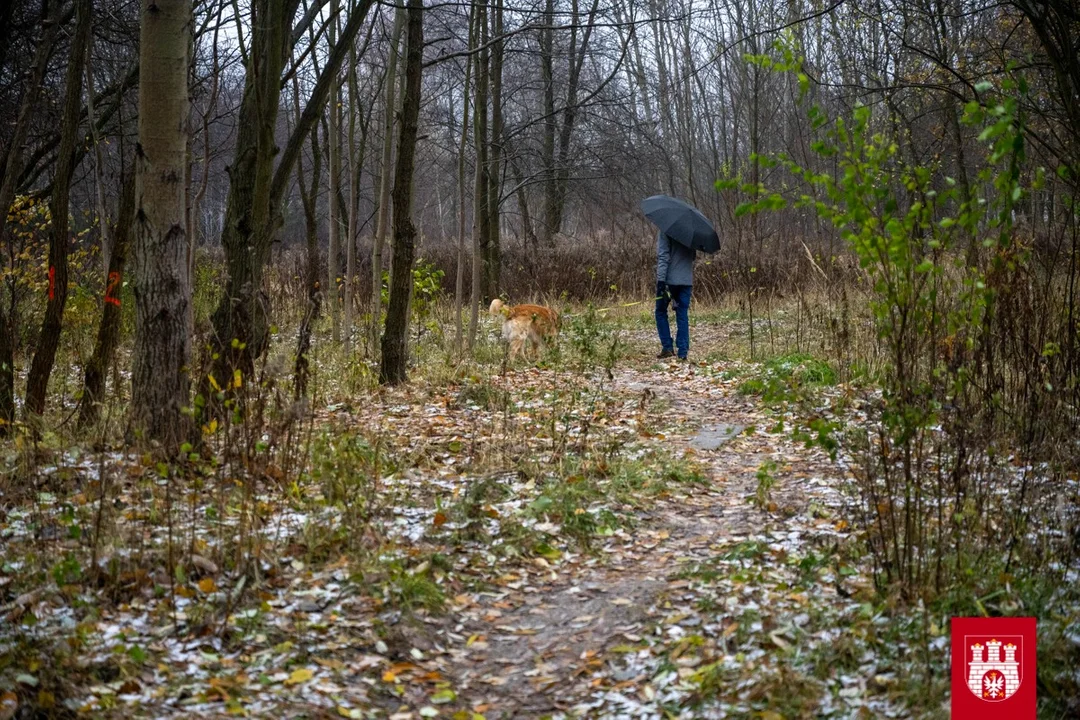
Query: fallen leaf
[
  {"x": 444, "y": 696},
  {"x": 300, "y": 675},
  {"x": 9, "y": 703}
]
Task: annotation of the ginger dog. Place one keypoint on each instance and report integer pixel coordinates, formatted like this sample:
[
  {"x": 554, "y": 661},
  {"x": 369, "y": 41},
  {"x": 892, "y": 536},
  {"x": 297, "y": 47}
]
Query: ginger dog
[{"x": 526, "y": 326}]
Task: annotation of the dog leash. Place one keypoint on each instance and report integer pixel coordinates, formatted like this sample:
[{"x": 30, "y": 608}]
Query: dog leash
[{"x": 600, "y": 310}]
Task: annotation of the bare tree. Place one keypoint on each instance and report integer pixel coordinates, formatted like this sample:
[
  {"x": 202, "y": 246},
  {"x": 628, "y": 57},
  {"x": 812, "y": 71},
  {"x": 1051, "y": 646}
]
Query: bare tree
[
  {"x": 333, "y": 151},
  {"x": 109, "y": 328},
  {"x": 37, "y": 381},
  {"x": 459, "y": 274},
  {"x": 385, "y": 176},
  {"x": 394, "y": 366},
  {"x": 12, "y": 169},
  {"x": 160, "y": 374},
  {"x": 480, "y": 172}
]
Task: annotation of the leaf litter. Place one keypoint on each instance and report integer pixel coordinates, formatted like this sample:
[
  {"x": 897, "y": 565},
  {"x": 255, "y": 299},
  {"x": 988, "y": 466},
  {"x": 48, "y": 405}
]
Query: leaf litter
[{"x": 497, "y": 588}]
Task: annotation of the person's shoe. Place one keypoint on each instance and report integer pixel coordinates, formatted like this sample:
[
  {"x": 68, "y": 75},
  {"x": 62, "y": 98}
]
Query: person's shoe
[
  {"x": 665, "y": 354},
  {"x": 683, "y": 358}
]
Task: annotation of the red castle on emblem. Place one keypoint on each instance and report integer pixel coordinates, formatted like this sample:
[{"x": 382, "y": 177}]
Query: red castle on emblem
[{"x": 993, "y": 673}]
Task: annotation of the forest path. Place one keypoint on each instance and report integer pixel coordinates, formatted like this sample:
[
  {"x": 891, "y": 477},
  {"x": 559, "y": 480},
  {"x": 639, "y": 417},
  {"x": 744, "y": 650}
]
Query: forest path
[{"x": 578, "y": 641}]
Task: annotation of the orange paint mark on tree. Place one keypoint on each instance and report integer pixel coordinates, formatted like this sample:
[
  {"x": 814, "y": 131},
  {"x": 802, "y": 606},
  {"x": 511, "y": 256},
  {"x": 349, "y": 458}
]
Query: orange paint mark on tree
[{"x": 110, "y": 290}]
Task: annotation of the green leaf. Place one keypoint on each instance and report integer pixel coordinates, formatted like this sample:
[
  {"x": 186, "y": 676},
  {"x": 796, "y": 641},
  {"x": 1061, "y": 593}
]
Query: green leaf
[
  {"x": 444, "y": 696},
  {"x": 546, "y": 551},
  {"x": 541, "y": 504}
]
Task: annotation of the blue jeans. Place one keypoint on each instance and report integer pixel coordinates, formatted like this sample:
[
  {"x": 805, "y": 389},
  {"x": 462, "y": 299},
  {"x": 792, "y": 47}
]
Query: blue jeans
[{"x": 679, "y": 297}]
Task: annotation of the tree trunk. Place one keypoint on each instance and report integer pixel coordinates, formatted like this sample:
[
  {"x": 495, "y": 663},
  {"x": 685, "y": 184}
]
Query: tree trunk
[
  {"x": 393, "y": 369},
  {"x": 333, "y": 149},
  {"x": 459, "y": 278},
  {"x": 252, "y": 210},
  {"x": 109, "y": 330},
  {"x": 527, "y": 231},
  {"x": 481, "y": 212},
  {"x": 547, "y": 78},
  {"x": 12, "y": 169},
  {"x": 479, "y": 188},
  {"x": 493, "y": 254},
  {"x": 383, "y": 219},
  {"x": 37, "y": 382},
  {"x": 160, "y": 376},
  {"x": 309, "y": 199},
  {"x": 356, "y": 165},
  {"x": 558, "y": 185},
  {"x": 99, "y": 172},
  {"x": 204, "y": 181}
]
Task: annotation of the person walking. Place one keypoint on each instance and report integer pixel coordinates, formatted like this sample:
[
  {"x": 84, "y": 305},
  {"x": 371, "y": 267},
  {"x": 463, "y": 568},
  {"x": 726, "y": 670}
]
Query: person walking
[{"x": 674, "y": 280}]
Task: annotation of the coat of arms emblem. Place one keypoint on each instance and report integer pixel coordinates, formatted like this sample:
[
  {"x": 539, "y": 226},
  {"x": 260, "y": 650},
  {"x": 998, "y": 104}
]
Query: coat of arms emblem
[{"x": 993, "y": 669}]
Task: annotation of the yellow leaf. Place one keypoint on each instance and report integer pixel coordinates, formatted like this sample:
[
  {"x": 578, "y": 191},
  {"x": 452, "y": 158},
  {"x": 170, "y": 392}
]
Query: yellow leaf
[
  {"x": 300, "y": 675},
  {"x": 213, "y": 383},
  {"x": 389, "y": 677},
  {"x": 46, "y": 699},
  {"x": 207, "y": 585},
  {"x": 237, "y": 375}
]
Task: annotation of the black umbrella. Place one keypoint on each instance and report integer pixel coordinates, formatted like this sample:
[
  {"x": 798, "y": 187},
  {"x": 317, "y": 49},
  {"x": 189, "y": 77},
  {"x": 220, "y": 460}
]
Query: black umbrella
[{"x": 681, "y": 222}]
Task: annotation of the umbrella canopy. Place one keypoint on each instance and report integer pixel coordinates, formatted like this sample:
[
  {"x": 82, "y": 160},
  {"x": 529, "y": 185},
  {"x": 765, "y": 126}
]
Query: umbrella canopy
[{"x": 681, "y": 222}]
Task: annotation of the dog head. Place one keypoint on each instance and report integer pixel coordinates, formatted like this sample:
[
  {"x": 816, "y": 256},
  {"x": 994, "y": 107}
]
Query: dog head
[{"x": 496, "y": 307}]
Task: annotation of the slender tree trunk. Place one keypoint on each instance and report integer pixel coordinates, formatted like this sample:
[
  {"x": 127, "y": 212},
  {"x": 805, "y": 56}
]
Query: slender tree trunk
[
  {"x": 559, "y": 185},
  {"x": 356, "y": 157},
  {"x": 12, "y": 169},
  {"x": 333, "y": 148},
  {"x": 527, "y": 231},
  {"x": 99, "y": 173},
  {"x": 459, "y": 277},
  {"x": 394, "y": 366},
  {"x": 482, "y": 140},
  {"x": 204, "y": 180},
  {"x": 480, "y": 195},
  {"x": 41, "y": 367},
  {"x": 109, "y": 330},
  {"x": 663, "y": 91},
  {"x": 160, "y": 373},
  {"x": 309, "y": 199},
  {"x": 547, "y": 78},
  {"x": 240, "y": 322},
  {"x": 493, "y": 254},
  {"x": 385, "y": 177}
]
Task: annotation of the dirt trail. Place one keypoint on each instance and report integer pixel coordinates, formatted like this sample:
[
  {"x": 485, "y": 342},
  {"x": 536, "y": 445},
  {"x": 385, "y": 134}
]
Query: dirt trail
[{"x": 545, "y": 649}]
